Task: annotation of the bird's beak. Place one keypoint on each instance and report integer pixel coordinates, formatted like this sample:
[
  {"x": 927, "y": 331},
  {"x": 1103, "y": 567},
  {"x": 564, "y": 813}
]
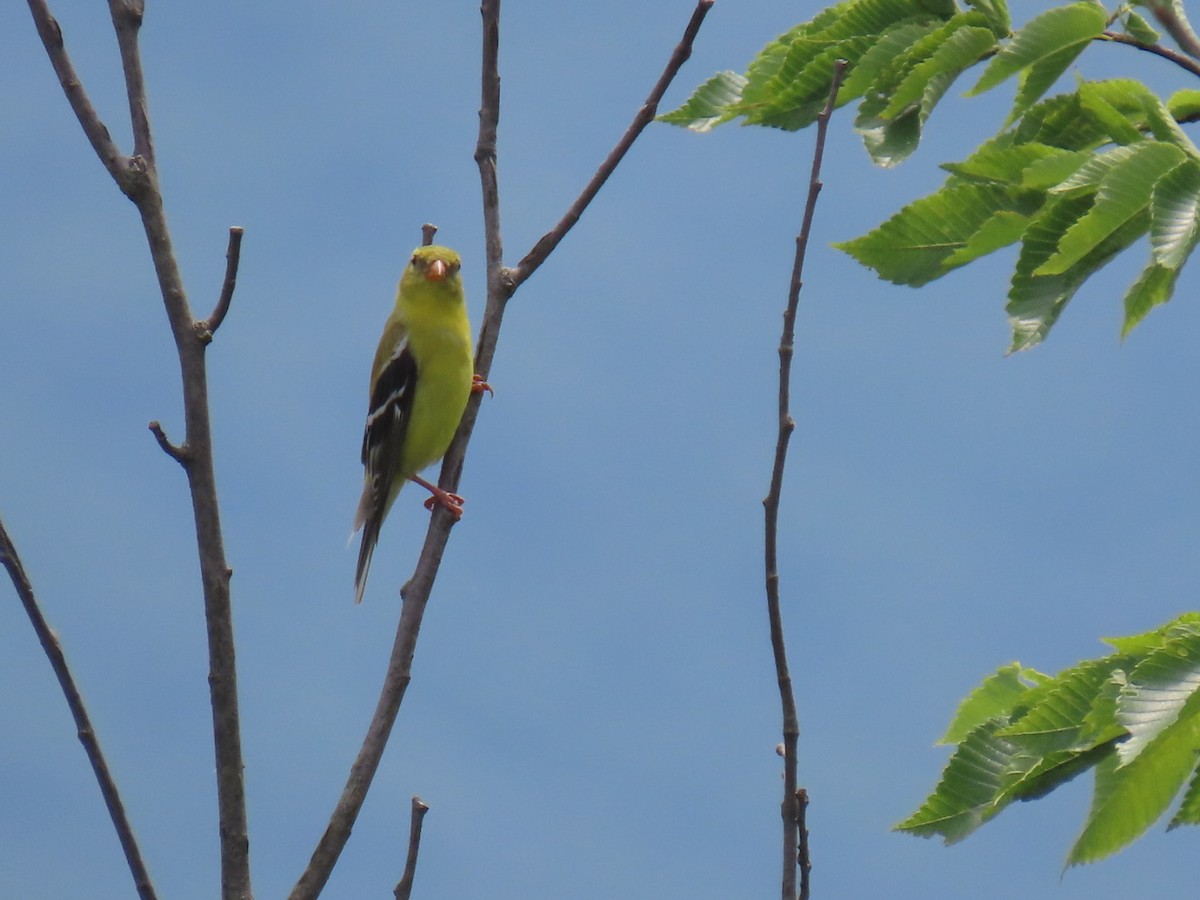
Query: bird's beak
[{"x": 437, "y": 271}]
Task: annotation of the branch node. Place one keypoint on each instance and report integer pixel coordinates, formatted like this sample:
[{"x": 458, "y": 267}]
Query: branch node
[{"x": 179, "y": 453}]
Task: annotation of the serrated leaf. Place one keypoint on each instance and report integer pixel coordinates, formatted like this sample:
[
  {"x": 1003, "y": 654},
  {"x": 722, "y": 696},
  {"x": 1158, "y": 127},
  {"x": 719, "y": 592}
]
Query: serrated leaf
[
  {"x": 1129, "y": 798},
  {"x": 893, "y": 43},
  {"x": 1057, "y": 720},
  {"x": 1009, "y": 165},
  {"x": 1002, "y": 230},
  {"x": 710, "y": 104},
  {"x": 1036, "y": 301},
  {"x": 966, "y": 795},
  {"x": 1044, "y": 37},
  {"x": 1054, "y": 170},
  {"x": 1098, "y": 103},
  {"x": 1175, "y": 215},
  {"x": 1153, "y": 287},
  {"x": 914, "y": 246},
  {"x": 961, "y": 49},
  {"x": 1123, "y": 194},
  {"x": 995, "y": 696},
  {"x": 1059, "y": 121},
  {"x": 1032, "y": 782},
  {"x": 1189, "y": 810},
  {"x": 996, "y": 12},
  {"x": 1159, "y": 689},
  {"x": 1039, "y": 77}
]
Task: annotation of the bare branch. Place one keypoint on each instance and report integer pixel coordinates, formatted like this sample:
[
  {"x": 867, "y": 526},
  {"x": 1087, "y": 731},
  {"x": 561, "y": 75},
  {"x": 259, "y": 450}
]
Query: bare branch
[
  {"x": 97, "y": 134},
  {"x": 233, "y": 255},
  {"x": 137, "y": 178},
  {"x": 795, "y": 838},
  {"x": 127, "y": 20},
  {"x": 404, "y": 887},
  {"x": 427, "y": 232},
  {"x": 644, "y": 117},
  {"x": 500, "y": 286},
  {"x": 83, "y": 723}
]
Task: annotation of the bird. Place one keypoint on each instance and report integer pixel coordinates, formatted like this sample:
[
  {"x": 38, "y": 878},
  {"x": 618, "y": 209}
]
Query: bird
[{"x": 421, "y": 379}]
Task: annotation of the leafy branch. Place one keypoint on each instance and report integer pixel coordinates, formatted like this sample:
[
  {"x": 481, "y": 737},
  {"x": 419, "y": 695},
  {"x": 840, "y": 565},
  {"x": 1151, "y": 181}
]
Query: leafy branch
[{"x": 1074, "y": 179}]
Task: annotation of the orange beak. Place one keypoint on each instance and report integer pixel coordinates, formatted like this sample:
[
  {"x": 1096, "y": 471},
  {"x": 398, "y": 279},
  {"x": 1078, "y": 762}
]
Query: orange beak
[{"x": 437, "y": 271}]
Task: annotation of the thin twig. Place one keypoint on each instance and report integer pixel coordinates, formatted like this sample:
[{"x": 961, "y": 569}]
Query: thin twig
[
  {"x": 137, "y": 178},
  {"x": 802, "y": 848},
  {"x": 428, "y": 231},
  {"x": 207, "y": 328},
  {"x": 403, "y": 889},
  {"x": 416, "y": 592},
  {"x": 645, "y": 115},
  {"x": 83, "y": 723},
  {"x": 795, "y": 839},
  {"x": 1185, "y": 62}
]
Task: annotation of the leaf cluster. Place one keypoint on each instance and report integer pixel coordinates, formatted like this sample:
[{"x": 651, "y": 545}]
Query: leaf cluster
[
  {"x": 1132, "y": 717},
  {"x": 1073, "y": 179}
]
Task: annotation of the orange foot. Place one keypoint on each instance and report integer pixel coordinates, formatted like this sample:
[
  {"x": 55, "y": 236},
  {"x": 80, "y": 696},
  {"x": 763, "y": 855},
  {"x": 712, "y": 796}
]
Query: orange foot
[
  {"x": 478, "y": 385},
  {"x": 451, "y": 503}
]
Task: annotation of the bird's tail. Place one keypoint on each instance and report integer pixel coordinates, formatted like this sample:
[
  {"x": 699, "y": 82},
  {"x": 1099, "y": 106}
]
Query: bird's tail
[{"x": 365, "y": 549}]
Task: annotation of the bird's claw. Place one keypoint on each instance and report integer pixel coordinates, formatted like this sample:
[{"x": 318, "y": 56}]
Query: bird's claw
[
  {"x": 478, "y": 385},
  {"x": 452, "y": 503}
]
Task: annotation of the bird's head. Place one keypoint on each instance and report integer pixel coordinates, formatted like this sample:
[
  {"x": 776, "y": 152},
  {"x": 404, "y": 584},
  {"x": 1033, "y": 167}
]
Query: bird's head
[{"x": 435, "y": 264}]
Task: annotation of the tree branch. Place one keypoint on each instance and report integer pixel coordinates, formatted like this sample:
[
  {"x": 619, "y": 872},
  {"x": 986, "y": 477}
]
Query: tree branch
[
  {"x": 1172, "y": 17},
  {"x": 137, "y": 177},
  {"x": 83, "y": 723},
  {"x": 795, "y": 837},
  {"x": 501, "y": 284},
  {"x": 1167, "y": 53},
  {"x": 404, "y": 888},
  {"x": 645, "y": 115}
]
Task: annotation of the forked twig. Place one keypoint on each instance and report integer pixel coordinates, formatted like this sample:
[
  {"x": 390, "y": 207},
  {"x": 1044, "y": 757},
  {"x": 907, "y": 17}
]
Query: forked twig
[
  {"x": 83, "y": 723},
  {"x": 501, "y": 284},
  {"x": 795, "y": 837}
]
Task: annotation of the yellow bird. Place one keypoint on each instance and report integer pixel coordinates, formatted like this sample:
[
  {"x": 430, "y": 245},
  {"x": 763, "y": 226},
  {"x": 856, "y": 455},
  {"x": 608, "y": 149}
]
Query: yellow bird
[{"x": 421, "y": 379}]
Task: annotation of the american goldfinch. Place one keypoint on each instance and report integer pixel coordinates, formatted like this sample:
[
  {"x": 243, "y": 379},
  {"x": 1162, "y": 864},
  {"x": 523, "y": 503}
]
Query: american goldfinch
[{"x": 420, "y": 381}]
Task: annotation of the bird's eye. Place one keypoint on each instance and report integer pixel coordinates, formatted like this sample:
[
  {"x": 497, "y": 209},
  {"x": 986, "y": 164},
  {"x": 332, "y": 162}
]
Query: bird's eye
[
  {"x": 416, "y": 260},
  {"x": 454, "y": 267}
]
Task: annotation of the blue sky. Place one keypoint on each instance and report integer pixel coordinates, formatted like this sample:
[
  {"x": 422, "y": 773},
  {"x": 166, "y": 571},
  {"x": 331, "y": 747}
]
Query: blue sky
[{"x": 593, "y": 712}]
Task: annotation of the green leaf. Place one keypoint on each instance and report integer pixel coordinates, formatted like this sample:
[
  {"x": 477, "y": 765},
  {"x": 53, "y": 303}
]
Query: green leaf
[
  {"x": 1044, "y": 37},
  {"x": 1139, "y": 29},
  {"x": 966, "y": 795},
  {"x": 1129, "y": 798},
  {"x": 1060, "y": 122},
  {"x": 1184, "y": 104},
  {"x": 710, "y": 104},
  {"x": 893, "y": 43},
  {"x": 1038, "y": 78},
  {"x": 1189, "y": 810},
  {"x": 1159, "y": 688},
  {"x": 1011, "y": 165},
  {"x": 1057, "y": 721},
  {"x": 1097, "y": 103},
  {"x": 996, "y": 12},
  {"x": 916, "y": 245},
  {"x": 1175, "y": 215},
  {"x": 1032, "y": 782},
  {"x": 996, "y": 696},
  {"x": 1153, "y": 287},
  {"x": 1124, "y": 193},
  {"x": 964, "y": 47},
  {"x": 1036, "y": 301}
]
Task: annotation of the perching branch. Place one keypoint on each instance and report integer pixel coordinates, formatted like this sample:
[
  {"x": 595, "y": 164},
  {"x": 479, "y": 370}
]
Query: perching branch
[
  {"x": 83, "y": 723},
  {"x": 795, "y": 801},
  {"x": 404, "y": 887},
  {"x": 233, "y": 256},
  {"x": 501, "y": 284},
  {"x": 137, "y": 177}
]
